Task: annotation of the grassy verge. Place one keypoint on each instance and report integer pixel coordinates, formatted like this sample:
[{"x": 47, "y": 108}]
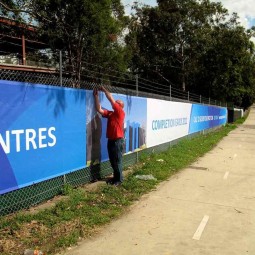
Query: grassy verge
[{"x": 84, "y": 212}]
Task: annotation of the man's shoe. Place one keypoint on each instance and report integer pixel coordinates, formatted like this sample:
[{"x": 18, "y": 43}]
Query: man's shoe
[{"x": 110, "y": 181}]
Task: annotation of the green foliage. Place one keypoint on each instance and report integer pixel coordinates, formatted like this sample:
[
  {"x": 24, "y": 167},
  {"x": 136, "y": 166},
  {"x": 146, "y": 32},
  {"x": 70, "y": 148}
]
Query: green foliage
[
  {"x": 229, "y": 65},
  {"x": 195, "y": 46},
  {"x": 4, "y": 11},
  {"x": 67, "y": 189},
  {"x": 85, "y": 31},
  {"x": 81, "y": 29}
]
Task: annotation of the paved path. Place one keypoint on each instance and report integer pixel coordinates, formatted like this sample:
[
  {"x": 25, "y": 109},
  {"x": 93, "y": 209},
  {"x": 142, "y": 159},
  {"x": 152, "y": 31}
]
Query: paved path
[{"x": 207, "y": 209}]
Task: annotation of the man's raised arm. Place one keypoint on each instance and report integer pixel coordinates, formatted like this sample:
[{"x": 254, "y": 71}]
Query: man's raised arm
[
  {"x": 97, "y": 103},
  {"x": 108, "y": 95}
]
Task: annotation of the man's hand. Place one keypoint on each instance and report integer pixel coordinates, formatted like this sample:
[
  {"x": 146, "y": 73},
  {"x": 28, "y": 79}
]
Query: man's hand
[{"x": 95, "y": 92}]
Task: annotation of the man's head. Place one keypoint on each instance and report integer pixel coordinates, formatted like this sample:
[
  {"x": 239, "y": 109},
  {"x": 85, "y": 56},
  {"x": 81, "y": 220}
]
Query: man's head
[{"x": 120, "y": 102}]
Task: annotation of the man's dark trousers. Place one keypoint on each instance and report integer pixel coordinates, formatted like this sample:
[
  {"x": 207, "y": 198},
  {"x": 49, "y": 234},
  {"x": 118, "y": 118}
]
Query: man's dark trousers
[{"x": 115, "y": 148}]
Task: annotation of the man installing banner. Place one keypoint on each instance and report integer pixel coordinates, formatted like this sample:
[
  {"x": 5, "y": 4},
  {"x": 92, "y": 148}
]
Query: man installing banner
[{"x": 114, "y": 133}]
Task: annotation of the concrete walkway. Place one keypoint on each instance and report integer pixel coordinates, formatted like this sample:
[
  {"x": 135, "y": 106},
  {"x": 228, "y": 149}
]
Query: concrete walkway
[{"x": 207, "y": 209}]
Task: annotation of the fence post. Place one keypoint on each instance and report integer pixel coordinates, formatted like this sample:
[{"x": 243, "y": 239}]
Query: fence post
[
  {"x": 188, "y": 95},
  {"x": 209, "y": 101},
  {"x": 24, "y": 61},
  {"x": 170, "y": 92},
  {"x": 60, "y": 68},
  {"x": 200, "y": 99}
]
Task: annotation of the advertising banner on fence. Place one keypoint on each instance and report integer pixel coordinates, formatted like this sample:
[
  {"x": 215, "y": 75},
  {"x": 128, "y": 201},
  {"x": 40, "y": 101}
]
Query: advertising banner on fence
[
  {"x": 204, "y": 117},
  {"x": 167, "y": 121},
  {"x": 135, "y": 126},
  {"x": 42, "y": 133},
  {"x": 48, "y": 131}
]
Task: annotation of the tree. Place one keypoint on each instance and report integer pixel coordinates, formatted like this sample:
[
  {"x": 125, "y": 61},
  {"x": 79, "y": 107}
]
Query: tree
[
  {"x": 228, "y": 63},
  {"x": 167, "y": 37},
  {"x": 81, "y": 29},
  {"x": 195, "y": 46}
]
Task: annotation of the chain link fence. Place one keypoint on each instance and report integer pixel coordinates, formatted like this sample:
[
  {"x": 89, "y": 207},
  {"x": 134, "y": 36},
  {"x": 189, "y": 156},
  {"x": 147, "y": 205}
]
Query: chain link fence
[
  {"x": 132, "y": 86},
  {"x": 40, "y": 192}
]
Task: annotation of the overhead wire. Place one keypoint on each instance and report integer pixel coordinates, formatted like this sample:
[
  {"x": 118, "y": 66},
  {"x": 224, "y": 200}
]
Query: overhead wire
[
  {"x": 146, "y": 85},
  {"x": 97, "y": 65},
  {"x": 102, "y": 79},
  {"x": 163, "y": 86}
]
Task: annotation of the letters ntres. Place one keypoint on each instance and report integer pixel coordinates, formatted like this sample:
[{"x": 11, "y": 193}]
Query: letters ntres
[{"x": 27, "y": 139}]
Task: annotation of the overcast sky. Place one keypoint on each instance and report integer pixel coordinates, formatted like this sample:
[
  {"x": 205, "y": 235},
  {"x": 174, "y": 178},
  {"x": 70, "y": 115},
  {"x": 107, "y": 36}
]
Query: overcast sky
[{"x": 244, "y": 8}]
